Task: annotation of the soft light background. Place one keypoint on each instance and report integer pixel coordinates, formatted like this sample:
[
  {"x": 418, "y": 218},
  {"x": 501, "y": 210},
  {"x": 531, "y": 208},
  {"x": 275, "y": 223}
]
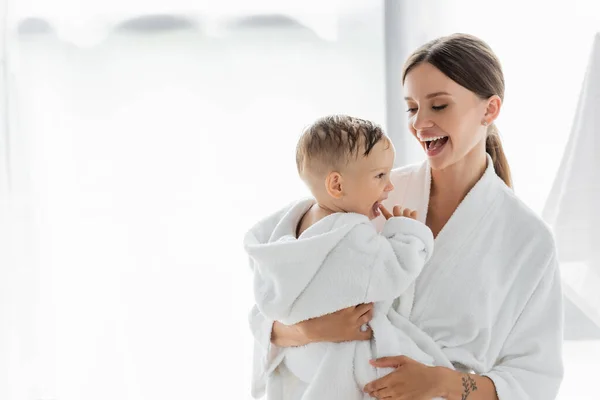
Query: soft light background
[{"x": 141, "y": 139}]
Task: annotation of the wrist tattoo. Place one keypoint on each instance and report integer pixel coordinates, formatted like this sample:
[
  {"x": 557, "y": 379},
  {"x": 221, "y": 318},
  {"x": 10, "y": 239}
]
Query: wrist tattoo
[{"x": 469, "y": 386}]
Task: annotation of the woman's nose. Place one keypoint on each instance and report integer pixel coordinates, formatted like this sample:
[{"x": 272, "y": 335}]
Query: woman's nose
[{"x": 421, "y": 121}]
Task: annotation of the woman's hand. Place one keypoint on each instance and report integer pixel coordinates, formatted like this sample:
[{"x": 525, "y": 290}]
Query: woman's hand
[
  {"x": 410, "y": 381},
  {"x": 340, "y": 326}
]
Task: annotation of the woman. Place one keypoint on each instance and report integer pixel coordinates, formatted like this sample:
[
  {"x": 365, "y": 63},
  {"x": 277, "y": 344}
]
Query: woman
[{"x": 490, "y": 296}]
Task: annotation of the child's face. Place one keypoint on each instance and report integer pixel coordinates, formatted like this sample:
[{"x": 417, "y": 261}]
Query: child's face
[{"x": 366, "y": 181}]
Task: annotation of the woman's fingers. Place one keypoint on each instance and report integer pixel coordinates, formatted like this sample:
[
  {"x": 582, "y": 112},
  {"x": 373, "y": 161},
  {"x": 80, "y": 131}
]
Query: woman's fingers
[
  {"x": 381, "y": 394},
  {"x": 397, "y": 211},
  {"x": 365, "y": 318},
  {"x": 362, "y": 309},
  {"x": 385, "y": 212},
  {"x": 390, "y": 362},
  {"x": 362, "y": 315},
  {"x": 379, "y": 384}
]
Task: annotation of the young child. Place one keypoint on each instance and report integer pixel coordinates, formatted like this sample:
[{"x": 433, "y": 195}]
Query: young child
[{"x": 324, "y": 254}]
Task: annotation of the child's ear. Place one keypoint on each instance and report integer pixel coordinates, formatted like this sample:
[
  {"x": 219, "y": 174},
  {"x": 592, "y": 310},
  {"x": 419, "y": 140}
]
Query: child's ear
[{"x": 333, "y": 185}]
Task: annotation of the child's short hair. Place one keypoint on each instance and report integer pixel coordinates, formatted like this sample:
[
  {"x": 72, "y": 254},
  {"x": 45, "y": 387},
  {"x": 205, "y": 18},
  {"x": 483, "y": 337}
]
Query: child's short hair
[{"x": 331, "y": 141}]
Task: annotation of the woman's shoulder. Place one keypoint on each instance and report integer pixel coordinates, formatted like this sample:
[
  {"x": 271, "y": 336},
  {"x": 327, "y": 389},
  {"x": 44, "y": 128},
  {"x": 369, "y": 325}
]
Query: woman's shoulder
[{"x": 527, "y": 223}]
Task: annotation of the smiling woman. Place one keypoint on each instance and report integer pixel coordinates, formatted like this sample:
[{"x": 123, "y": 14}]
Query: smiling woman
[
  {"x": 542, "y": 97},
  {"x": 433, "y": 113}
]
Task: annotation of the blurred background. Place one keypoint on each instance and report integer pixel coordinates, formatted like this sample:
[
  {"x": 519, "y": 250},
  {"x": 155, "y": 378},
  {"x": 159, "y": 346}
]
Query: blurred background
[{"x": 139, "y": 140}]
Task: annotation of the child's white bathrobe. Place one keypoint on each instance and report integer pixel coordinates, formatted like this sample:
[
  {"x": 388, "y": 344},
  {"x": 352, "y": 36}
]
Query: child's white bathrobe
[
  {"x": 490, "y": 296},
  {"x": 338, "y": 262}
]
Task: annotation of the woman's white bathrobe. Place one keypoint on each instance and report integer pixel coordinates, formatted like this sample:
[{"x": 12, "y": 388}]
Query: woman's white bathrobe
[
  {"x": 339, "y": 262},
  {"x": 490, "y": 296}
]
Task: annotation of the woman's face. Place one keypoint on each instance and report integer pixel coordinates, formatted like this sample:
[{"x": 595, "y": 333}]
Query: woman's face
[{"x": 445, "y": 117}]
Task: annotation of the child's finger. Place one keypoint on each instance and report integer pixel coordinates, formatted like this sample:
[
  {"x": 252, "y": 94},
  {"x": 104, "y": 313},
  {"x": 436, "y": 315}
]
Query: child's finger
[
  {"x": 406, "y": 213},
  {"x": 413, "y": 214},
  {"x": 385, "y": 212},
  {"x": 397, "y": 211}
]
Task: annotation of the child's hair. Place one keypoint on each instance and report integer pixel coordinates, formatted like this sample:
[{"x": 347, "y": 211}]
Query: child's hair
[{"x": 330, "y": 143}]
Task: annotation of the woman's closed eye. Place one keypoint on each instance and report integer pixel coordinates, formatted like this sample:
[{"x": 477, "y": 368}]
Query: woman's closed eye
[
  {"x": 380, "y": 176},
  {"x": 435, "y": 108}
]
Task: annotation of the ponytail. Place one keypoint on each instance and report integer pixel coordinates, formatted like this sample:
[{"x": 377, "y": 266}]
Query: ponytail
[{"x": 493, "y": 146}]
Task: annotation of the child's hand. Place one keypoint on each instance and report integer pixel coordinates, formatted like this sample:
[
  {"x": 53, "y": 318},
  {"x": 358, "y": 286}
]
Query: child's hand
[{"x": 398, "y": 212}]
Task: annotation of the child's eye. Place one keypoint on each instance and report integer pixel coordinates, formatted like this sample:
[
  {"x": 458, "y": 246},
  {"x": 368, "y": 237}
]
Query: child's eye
[
  {"x": 411, "y": 110},
  {"x": 439, "y": 108},
  {"x": 380, "y": 175}
]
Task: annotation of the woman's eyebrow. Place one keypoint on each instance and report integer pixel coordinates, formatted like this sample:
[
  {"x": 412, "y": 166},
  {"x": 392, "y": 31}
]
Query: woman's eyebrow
[{"x": 432, "y": 95}]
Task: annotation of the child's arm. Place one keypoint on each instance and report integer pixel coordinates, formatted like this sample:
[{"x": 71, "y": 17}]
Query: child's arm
[
  {"x": 406, "y": 245},
  {"x": 411, "y": 240}
]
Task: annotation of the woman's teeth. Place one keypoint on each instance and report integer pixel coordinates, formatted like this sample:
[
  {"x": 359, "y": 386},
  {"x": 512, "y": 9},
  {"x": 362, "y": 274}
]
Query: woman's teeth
[
  {"x": 431, "y": 142},
  {"x": 436, "y": 142},
  {"x": 432, "y": 138}
]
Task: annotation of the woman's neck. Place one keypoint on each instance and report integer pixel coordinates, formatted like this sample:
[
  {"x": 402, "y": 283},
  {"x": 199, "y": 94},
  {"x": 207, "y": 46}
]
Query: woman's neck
[
  {"x": 454, "y": 182},
  {"x": 449, "y": 187}
]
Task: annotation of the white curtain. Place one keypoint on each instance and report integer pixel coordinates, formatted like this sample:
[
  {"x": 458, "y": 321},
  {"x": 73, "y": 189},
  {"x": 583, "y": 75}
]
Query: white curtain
[
  {"x": 143, "y": 144},
  {"x": 572, "y": 206}
]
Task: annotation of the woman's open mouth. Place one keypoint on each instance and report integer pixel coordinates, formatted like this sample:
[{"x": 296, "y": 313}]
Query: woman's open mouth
[{"x": 435, "y": 145}]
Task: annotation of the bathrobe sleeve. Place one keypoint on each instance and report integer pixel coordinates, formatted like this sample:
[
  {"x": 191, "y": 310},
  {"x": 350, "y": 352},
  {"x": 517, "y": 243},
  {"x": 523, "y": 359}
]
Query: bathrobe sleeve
[
  {"x": 405, "y": 246},
  {"x": 266, "y": 356},
  {"x": 530, "y": 365},
  {"x": 410, "y": 240}
]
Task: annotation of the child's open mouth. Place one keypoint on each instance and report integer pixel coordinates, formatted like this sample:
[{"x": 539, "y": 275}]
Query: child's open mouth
[{"x": 376, "y": 211}]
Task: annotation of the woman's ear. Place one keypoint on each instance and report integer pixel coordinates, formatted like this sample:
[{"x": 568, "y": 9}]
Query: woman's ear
[
  {"x": 333, "y": 185},
  {"x": 494, "y": 104}
]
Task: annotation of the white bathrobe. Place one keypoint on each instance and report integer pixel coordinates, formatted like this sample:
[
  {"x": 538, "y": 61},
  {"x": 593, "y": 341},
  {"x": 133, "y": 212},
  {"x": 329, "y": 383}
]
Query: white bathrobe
[
  {"x": 338, "y": 262},
  {"x": 490, "y": 296}
]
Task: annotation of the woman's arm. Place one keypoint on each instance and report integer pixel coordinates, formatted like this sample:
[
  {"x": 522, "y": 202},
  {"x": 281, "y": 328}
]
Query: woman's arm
[
  {"x": 340, "y": 326},
  {"x": 412, "y": 380},
  {"x": 271, "y": 336},
  {"x": 530, "y": 365},
  {"x": 287, "y": 335},
  {"x": 461, "y": 386}
]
